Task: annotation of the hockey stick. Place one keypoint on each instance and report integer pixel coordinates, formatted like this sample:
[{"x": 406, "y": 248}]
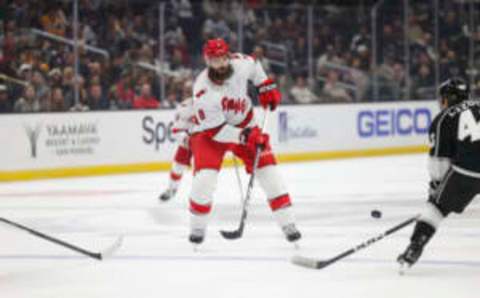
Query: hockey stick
[
  {"x": 95, "y": 255},
  {"x": 319, "y": 264},
  {"x": 239, "y": 180},
  {"x": 235, "y": 234}
]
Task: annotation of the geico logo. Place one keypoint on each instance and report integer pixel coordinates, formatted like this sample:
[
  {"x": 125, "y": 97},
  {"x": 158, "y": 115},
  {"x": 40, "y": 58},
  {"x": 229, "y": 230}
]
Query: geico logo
[
  {"x": 156, "y": 132},
  {"x": 401, "y": 122}
]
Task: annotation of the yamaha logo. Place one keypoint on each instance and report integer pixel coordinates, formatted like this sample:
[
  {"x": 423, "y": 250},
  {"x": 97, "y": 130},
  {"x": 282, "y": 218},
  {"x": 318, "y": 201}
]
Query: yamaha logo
[{"x": 32, "y": 134}]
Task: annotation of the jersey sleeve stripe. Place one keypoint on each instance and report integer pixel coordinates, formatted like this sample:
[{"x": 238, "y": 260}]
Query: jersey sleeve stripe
[{"x": 438, "y": 131}]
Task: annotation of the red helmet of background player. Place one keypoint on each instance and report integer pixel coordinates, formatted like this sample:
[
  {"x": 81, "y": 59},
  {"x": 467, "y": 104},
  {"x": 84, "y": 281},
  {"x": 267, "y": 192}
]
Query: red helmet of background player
[{"x": 215, "y": 48}]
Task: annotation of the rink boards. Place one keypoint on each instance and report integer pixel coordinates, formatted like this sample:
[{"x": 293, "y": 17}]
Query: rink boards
[{"x": 94, "y": 143}]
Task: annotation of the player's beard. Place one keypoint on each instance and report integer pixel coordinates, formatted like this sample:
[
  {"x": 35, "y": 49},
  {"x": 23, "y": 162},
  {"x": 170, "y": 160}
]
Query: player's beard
[{"x": 220, "y": 74}]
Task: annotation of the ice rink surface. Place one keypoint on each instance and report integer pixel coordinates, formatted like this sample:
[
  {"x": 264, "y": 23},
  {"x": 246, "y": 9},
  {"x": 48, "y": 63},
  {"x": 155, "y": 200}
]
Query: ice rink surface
[{"x": 332, "y": 201}]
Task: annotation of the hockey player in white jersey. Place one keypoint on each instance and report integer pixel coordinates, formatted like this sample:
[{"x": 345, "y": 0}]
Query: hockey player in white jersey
[
  {"x": 182, "y": 159},
  {"x": 224, "y": 121}
]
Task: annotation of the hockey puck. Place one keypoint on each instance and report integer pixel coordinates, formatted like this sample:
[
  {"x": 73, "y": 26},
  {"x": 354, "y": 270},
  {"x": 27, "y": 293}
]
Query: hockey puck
[{"x": 376, "y": 214}]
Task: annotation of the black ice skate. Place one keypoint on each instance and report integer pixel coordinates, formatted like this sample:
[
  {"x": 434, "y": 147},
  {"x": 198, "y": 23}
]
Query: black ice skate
[
  {"x": 410, "y": 256},
  {"x": 422, "y": 233},
  {"x": 197, "y": 236},
  {"x": 291, "y": 232},
  {"x": 167, "y": 195}
]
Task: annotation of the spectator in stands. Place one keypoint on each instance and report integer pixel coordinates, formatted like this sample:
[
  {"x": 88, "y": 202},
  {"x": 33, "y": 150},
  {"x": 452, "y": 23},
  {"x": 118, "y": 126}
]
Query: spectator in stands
[
  {"x": 96, "y": 98},
  {"x": 57, "y": 101},
  {"x": 184, "y": 13},
  {"x": 55, "y": 77},
  {"x": 398, "y": 81},
  {"x": 173, "y": 32},
  {"x": 8, "y": 47},
  {"x": 300, "y": 52},
  {"x": 423, "y": 83},
  {"x": 69, "y": 94},
  {"x": 292, "y": 28},
  {"x": 5, "y": 105},
  {"x": 54, "y": 21},
  {"x": 360, "y": 38},
  {"x": 146, "y": 100},
  {"x": 129, "y": 32},
  {"x": 216, "y": 27},
  {"x": 450, "y": 26},
  {"x": 87, "y": 34},
  {"x": 211, "y": 7},
  {"x": 171, "y": 100},
  {"x": 112, "y": 99},
  {"x": 359, "y": 78},
  {"x": 275, "y": 32},
  {"x": 259, "y": 54},
  {"x": 449, "y": 65},
  {"x": 363, "y": 54},
  {"x": 94, "y": 70},
  {"x": 333, "y": 91},
  {"x": 83, "y": 104},
  {"x": 124, "y": 91},
  {"x": 68, "y": 90},
  {"x": 385, "y": 70},
  {"x": 40, "y": 85},
  {"x": 300, "y": 93},
  {"x": 330, "y": 56},
  {"x": 28, "y": 103},
  {"x": 25, "y": 72}
]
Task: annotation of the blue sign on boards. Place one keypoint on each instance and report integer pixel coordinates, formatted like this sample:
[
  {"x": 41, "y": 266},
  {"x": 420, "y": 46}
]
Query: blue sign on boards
[
  {"x": 393, "y": 122},
  {"x": 282, "y": 126}
]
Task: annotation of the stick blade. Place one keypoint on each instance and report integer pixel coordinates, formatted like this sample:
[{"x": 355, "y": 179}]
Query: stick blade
[
  {"x": 109, "y": 251},
  {"x": 304, "y": 261},
  {"x": 308, "y": 262},
  {"x": 231, "y": 235}
]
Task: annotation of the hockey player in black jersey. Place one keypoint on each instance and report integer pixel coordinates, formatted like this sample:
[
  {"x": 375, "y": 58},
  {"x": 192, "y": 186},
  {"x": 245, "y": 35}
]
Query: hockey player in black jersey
[{"x": 454, "y": 164}]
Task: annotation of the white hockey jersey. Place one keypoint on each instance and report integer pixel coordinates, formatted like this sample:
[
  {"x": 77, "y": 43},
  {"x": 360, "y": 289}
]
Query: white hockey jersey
[
  {"x": 228, "y": 103},
  {"x": 183, "y": 121}
]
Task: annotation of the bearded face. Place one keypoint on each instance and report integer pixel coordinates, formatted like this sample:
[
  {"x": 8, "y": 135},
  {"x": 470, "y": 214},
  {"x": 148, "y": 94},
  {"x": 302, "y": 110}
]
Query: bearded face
[{"x": 219, "y": 68}]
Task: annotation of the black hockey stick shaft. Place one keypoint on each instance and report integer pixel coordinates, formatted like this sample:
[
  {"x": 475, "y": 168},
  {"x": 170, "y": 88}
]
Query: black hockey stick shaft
[
  {"x": 370, "y": 241},
  {"x": 239, "y": 231},
  {"x": 85, "y": 252},
  {"x": 319, "y": 264},
  {"x": 239, "y": 180}
]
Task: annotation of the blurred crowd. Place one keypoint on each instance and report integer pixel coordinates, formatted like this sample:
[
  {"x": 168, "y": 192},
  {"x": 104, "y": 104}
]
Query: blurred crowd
[{"x": 120, "y": 69}]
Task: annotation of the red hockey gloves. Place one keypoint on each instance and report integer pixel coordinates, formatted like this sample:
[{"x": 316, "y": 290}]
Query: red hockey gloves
[
  {"x": 269, "y": 95},
  {"x": 253, "y": 137}
]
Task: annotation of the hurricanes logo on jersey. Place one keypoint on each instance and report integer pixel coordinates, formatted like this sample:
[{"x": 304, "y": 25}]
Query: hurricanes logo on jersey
[{"x": 236, "y": 105}]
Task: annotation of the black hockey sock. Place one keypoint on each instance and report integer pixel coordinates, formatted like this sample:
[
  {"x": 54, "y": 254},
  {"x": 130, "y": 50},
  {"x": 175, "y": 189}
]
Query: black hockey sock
[{"x": 422, "y": 233}]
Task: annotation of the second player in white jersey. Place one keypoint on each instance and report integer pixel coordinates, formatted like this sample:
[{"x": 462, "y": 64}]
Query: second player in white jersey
[{"x": 181, "y": 129}]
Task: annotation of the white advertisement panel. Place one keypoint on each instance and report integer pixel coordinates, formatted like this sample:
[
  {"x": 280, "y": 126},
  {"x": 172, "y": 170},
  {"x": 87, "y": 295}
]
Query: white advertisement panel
[
  {"x": 38, "y": 141},
  {"x": 55, "y": 141},
  {"x": 351, "y": 127}
]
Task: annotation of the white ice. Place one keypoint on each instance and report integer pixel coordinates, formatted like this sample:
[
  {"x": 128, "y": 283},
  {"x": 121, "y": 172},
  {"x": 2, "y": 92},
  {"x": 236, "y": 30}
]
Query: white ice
[{"x": 332, "y": 201}]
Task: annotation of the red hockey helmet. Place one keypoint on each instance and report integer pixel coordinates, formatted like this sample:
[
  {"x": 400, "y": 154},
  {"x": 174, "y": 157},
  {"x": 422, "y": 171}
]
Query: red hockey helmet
[{"x": 214, "y": 48}]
